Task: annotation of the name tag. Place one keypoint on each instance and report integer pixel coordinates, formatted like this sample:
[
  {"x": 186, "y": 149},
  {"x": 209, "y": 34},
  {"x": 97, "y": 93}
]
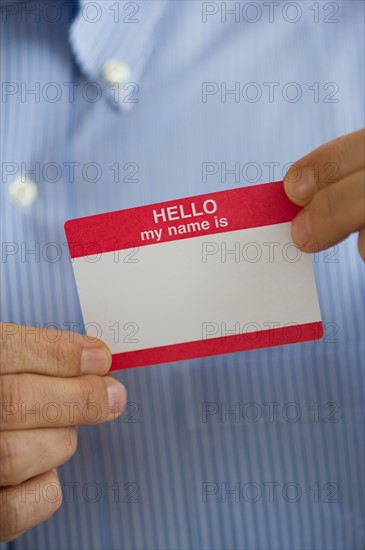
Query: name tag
[{"x": 194, "y": 277}]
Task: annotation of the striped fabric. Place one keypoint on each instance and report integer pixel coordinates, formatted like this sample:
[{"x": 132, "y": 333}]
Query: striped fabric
[{"x": 258, "y": 450}]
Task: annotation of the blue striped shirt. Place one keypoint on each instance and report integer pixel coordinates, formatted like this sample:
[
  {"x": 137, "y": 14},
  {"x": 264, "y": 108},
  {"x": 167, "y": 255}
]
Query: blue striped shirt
[{"x": 257, "y": 450}]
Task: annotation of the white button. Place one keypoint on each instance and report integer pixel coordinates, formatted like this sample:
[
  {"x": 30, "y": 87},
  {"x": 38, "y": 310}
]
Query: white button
[
  {"x": 23, "y": 191},
  {"x": 115, "y": 71}
]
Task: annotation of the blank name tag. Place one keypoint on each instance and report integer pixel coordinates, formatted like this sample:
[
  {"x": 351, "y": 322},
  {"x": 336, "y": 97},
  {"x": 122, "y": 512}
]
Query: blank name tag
[{"x": 194, "y": 277}]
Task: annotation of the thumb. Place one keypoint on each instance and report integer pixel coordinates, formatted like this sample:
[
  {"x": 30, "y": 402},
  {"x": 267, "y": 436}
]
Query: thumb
[{"x": 51, "y": 352}]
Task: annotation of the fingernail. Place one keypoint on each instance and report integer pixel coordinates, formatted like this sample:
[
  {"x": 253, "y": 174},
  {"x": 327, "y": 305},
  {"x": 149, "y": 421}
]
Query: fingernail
[
  {"x": 117, "y": 395},
  {"x": 300, "y": 183},
  {"x": 54, "y": 470},
  {"x": 301, "y": 228},
  {"x": 95, "y": 360}
]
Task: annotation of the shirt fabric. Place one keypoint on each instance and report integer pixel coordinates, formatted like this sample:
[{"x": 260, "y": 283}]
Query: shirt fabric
[{"x": 214, "y": 100}]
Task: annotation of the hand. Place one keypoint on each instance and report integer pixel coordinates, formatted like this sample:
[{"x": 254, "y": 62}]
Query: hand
[
  {"x": 50, "y": 381},
  {"x": 330, "y": 184}
]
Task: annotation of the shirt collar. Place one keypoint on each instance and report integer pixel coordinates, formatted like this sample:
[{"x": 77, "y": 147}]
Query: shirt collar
[{"x": 118, "y": 33}]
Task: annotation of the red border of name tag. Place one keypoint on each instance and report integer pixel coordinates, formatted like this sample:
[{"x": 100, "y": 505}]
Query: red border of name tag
[{"x": 245, "y": 207}]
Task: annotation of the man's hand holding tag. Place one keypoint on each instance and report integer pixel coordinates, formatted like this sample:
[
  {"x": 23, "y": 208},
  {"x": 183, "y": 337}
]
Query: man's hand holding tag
[
  {"x": 330, "y": 184},
  {"x": 50, "y": 382}
]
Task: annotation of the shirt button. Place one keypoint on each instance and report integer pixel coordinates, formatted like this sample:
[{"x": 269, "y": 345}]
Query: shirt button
[
  {"x": 23, "y": 191},
  {"x": 115, "y": 71}
]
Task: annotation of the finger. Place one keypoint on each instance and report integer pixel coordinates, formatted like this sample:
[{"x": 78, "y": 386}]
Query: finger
[
  {"x": 362, "y": 244},
  {"x": 27, "y": 453},
  {"x": 333, "y": 214},
  {"x": 24, "y": 506},
  {"x": 36, "y": 401},
  {"x": 51, "y": 352},
  {"x": 326, "y": 165}
]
